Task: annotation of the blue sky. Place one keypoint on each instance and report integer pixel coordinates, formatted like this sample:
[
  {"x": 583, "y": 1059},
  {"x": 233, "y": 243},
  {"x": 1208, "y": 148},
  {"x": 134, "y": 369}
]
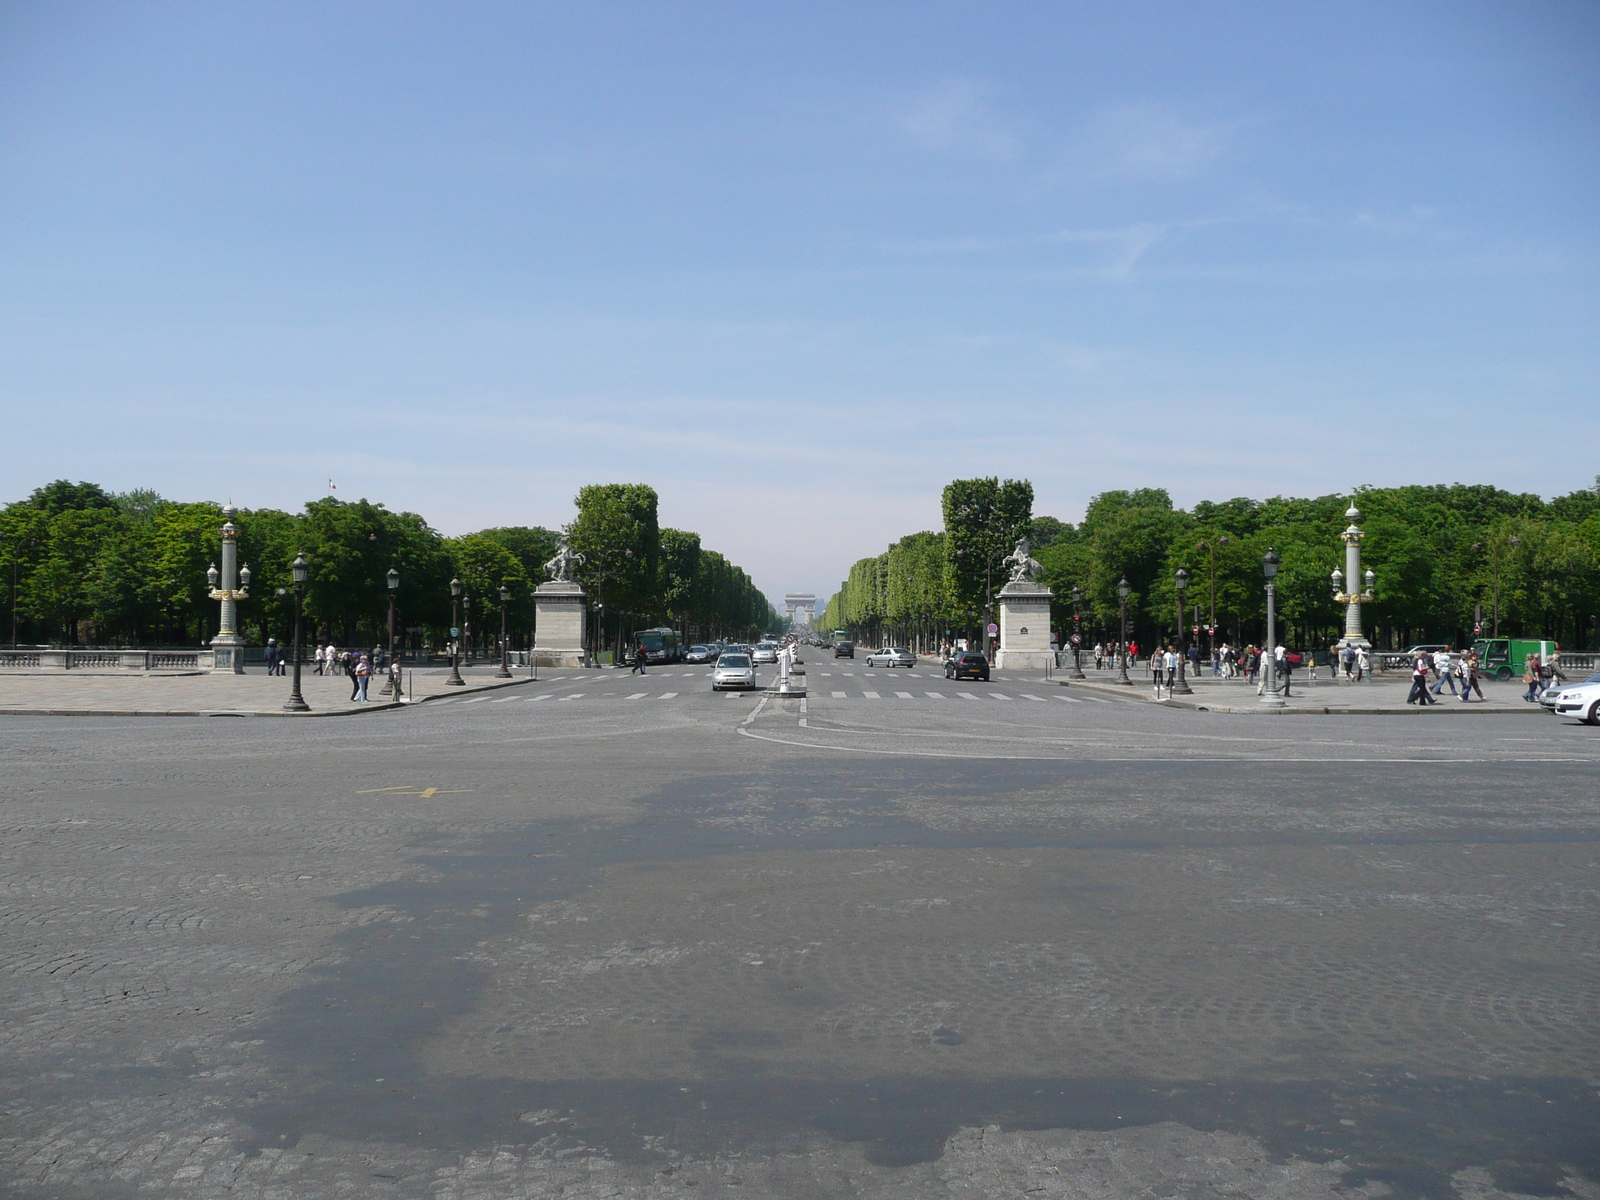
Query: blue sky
[{"x": 796, "y": 265}]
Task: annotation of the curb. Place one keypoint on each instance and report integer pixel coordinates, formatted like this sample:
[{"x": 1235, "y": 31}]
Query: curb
[
  {"x": 365, "y": 710},
  {"x": 1193, "y": 705}
]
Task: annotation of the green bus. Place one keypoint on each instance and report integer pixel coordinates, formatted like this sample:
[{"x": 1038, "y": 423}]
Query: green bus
[{"x": 660, "y": 644}]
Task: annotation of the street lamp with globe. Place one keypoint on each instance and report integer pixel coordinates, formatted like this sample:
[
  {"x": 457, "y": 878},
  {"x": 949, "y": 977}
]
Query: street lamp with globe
[
  {"x": 1270, "y": 697},
  {"x": 505, "y": 671},
  {"x": 1122, "y": 647},
  {"x": 301, "y": 571},
  {"x": 1180, "y": 583},
  {"x": 455, "y": 679}
]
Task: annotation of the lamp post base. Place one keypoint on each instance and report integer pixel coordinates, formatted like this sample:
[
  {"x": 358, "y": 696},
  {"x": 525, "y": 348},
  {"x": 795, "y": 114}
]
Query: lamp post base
[
  {"x": 1180, "y": 686},
  {"x": 296, "y": 704}
]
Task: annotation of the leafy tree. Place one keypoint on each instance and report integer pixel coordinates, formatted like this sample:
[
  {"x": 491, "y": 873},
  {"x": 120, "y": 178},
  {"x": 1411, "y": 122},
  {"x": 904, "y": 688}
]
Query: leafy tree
[{"x": 983, "y": 518}]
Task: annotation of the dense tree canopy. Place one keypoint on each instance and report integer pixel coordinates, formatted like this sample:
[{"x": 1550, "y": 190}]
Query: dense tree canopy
[
  {"x": 1441, "y": 553},
  {"x": 86, "y": 566}
]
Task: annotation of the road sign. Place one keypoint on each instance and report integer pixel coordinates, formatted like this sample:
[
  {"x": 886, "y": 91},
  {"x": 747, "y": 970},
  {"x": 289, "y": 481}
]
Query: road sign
[
  {"x": 1076, "y": 638},
  {"x": 454, "y": 632},
  {"x": 993, "y": 629}
]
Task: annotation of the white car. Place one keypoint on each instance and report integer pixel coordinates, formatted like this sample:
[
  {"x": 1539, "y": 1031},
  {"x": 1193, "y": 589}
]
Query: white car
[
  {"x": 733, "y": 671},
  {"x": 766, "y": 652},
  {"x": 1581, "y": 700},
  {"x": 892, "y": 656}
]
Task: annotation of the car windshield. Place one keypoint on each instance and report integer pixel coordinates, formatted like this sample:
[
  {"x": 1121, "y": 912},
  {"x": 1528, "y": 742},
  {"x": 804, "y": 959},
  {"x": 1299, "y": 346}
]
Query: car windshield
[
  {"x": 697, "y": 649},
  {"x": 733, "y": 660},
  {"x": 1593, "y": 678}
]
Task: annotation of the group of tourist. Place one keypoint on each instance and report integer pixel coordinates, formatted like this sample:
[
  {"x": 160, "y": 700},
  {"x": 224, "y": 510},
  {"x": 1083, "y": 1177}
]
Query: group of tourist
[{"x": 1458, "y": 672}]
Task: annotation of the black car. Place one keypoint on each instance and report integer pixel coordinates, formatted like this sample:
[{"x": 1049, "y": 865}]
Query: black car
[
  {"x": 967, "y": 665},
  {"x": 844, "y": 650}
]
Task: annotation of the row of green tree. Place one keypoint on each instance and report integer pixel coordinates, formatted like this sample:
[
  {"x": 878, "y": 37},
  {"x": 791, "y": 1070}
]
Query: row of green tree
[
  {"x": 86, "y": 566},
  {"x": 1446, "y": 558}
]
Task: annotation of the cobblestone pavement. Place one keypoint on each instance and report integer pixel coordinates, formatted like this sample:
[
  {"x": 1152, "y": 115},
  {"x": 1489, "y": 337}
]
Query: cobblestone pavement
[
  {"x": 253, "y": 692},
  {"x": 603, "y": 936}
]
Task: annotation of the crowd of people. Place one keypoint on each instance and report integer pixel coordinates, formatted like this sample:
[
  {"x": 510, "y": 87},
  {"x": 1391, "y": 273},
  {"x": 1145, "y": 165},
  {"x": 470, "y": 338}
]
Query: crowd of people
[{"x": 358, "y": 666}]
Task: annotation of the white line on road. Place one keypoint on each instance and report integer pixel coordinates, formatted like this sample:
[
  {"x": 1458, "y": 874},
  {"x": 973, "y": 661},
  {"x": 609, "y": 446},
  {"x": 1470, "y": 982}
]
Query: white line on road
[
  {"x": 870, "y": 695},
  {"x": 531, "y": 699},
  {"x": 904, "y": 695},
  {"x": 839, "y": 695},
  {"x": 638, "y": 696},
  {"x": 967, "y": 696},
  {"x": 1040, "y": 699},
  {"x": 934, "y": 695},
  {"x": 668, "y": 695},
  {"x": 574, "y": 696},
  {"x": 1000, "y": 695},
  {"x": 1070, "y": 699}
]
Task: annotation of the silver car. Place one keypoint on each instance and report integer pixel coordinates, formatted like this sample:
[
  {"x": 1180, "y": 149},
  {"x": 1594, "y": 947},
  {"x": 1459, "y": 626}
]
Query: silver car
[
  {"x": 766, "y": 652},
  {"x": 733, "y": 671},
  {"x": 892, "y": 656}
]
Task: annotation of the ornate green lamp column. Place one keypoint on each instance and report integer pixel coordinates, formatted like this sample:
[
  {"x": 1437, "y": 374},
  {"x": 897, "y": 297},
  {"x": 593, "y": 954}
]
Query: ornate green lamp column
[{"x": 229, "y": 587}]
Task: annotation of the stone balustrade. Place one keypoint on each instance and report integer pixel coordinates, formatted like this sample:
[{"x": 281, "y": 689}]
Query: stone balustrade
[{"x": 106, "y": 660}]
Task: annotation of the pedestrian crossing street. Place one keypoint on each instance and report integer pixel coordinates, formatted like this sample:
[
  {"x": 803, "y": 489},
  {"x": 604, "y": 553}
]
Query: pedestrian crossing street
[{"x": 588, "y": 687}]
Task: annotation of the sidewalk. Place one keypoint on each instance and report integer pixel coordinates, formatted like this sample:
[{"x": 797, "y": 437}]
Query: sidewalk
[
  {"x": 253, "y": 694},
  {"x": 1381, "y": 696}
]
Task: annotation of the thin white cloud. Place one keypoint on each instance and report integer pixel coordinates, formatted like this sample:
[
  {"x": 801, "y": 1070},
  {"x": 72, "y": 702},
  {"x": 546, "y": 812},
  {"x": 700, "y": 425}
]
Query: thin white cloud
[
  {"x": 957, "y": 115},
  {"x": 1149, "y": 141}
]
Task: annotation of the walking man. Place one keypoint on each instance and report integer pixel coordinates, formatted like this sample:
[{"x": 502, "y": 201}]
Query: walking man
[
  {"x": 1441, "y": 668},
  {"x": 639, "y": 658},
  {"x": 1419, "y": 682}
]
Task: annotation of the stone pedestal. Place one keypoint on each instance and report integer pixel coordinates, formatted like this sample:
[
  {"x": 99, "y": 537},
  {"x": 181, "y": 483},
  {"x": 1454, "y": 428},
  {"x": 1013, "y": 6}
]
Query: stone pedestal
[
  {"x": 560, "y": 612},
  {"x": 229, "y": 651},
  {"x": 1024, "y": 627}
]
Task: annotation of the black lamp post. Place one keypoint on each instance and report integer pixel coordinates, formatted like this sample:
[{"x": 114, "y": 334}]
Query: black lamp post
[
  {"x": 466, "y": 626},
  {"x": 301, "y": 570},
  {"x": 1269, "y": 663},
  {"x": 1077, "y": 635},
  {"x": 1122, "y": 647},
  {"x": 505, "y": 652},
  {"x": 393, "y": 580},
  {"x": 1180, "y": 581},
  {"x": 455, "y": 679}
]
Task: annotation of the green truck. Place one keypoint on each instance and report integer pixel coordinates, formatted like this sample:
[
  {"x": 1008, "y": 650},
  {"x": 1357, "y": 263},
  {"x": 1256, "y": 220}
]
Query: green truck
[{"x": 1501, "y": 658}]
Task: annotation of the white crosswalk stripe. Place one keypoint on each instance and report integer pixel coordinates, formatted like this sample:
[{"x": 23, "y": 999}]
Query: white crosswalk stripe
[
  {"x": 574, "y": 696},
  {"x": 1070, "y": 699},
  {"x": 904, "y": 695},
  {"x": 870, "y": 695},
  {"x": 668, "y": 695},
  {"x": 638, "y": 696},
  {"x": 531, "y": 699},
  {"x": 1000, "y": 695},
  {"x": 839, "y": 695},
  {"x": 1040, "y": 699},
  {"x": 967, "y": 696},
  {"x": 935, "y": 695}
]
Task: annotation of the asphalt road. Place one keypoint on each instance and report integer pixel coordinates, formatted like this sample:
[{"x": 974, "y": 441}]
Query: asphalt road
[{"x": 605, "y": 936}]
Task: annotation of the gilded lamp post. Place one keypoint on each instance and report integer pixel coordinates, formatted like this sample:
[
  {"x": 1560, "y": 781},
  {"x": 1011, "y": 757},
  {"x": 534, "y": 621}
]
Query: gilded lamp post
[
  {"x": 1353, "y": 600},
  {"x": 229, "y": 586}
]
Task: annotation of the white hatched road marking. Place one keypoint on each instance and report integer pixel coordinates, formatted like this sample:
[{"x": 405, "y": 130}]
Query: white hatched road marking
[
  {"x": 531, "y": 699},
  {"x": 574, "y": 696},
  {"x": 904, "y": 695},
  {"x": 505, "y": 699},
  {"x": 638, "y": 696},
  {"x": 1040, "y": 699},
  {"x": 667, "y": 695},
  {"x": 967, "y": 696},
  {"x": 1070, "y": 699},
  {"x": 839, "y": 695},
  {"x": 935, "y": 695},
  {"x": 870, "y": 695},
  {"x": 1000, "y": 695}
]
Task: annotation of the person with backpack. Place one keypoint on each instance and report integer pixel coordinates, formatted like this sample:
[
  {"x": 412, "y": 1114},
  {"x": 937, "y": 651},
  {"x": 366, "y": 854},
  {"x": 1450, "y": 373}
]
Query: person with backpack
[{"x": 1532, "y": 676}]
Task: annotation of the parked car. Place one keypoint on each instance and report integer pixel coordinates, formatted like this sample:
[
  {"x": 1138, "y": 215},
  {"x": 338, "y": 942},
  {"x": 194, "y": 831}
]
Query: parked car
[
  {"x": 699, "y": 654},
  {"x": 844, "y": 650},
  {"x": 892, "y": 656},
  {"x": 967, "y": 665},
  {"x": 1581, "y": 700},
  {"x": 766, "y": 652},
  {"x": 733, "y": 671}
]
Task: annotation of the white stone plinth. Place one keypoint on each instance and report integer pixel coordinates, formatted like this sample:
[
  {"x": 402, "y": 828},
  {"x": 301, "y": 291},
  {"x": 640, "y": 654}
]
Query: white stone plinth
[
  {"x": 1024, "y": 628},
  {"x": 560, "y": 612},
  {"x": 229, "y": 652}
]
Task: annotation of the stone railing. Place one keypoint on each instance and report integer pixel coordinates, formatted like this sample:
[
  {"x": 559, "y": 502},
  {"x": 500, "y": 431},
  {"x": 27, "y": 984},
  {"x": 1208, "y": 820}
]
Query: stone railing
[
  {"x": 1572, "y": 665},
  {"x": 107, "y": 660}
]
